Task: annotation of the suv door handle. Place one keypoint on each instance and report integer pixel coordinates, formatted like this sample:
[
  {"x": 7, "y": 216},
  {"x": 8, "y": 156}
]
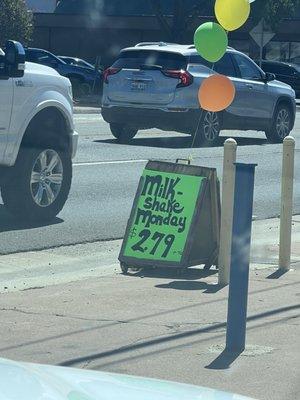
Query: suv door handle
[{"x": 249, "y": 86}]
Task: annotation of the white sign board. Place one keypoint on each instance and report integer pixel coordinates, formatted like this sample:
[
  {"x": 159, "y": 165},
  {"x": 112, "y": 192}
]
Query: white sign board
[{"x": 261, "y": 35}]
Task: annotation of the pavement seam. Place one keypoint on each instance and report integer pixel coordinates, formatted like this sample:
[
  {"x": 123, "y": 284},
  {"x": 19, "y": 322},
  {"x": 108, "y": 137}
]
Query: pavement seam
[
  {"x": 178, "y": 336},
  {"x": 173, "y": 325}
]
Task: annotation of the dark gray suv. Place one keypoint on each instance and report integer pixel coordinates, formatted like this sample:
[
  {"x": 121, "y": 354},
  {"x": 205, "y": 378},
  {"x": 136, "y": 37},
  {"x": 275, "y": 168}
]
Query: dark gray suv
[{"x": 155, "y": 85}]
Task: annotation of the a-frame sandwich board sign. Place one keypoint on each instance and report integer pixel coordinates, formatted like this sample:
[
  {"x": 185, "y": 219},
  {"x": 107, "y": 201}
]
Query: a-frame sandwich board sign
[{"x": 175, "y": 218}]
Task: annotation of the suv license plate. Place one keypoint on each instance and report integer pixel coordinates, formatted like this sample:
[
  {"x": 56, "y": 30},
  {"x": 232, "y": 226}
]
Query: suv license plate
[{"x": 139, "y": 86}]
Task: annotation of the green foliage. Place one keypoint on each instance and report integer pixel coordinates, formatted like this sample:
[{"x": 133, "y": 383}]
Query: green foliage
[
  {"x": 186, "y": 11},
  {"x": 273, "y": 11},
  {"x": 15, "y": 21}
]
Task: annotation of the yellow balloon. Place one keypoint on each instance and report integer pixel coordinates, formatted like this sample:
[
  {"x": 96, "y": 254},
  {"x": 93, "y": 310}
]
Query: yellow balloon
[{"x": 232, "y": 14}]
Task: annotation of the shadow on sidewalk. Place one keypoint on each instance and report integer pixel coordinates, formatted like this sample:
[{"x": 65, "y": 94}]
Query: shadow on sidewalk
[
  {"x": 277, "y": 274},
  {"x": 224, "y": 360},
  {"x": 188, "y": 285},
  {"x": 185, "y": 279},
  {"x": 221, "y": 361},
  {"x": 189, "y": 274}
]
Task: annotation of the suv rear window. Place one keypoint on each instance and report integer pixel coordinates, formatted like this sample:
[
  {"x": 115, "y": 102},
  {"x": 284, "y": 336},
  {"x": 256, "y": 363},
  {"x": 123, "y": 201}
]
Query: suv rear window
[{"x": 133, "y": 59}]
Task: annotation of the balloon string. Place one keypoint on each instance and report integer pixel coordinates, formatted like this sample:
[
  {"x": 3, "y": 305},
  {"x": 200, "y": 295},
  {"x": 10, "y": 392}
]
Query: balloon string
[{"x": 190, "y": 157}]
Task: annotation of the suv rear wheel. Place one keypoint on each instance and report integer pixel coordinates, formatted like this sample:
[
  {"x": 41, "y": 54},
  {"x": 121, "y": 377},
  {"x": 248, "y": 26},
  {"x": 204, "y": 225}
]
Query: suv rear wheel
[
  {"x": 208, "y": 130},
  {"x": 39, "y": 184},
  {"x": 281, "y": 126},
  {"x": 123, "y": 133}
]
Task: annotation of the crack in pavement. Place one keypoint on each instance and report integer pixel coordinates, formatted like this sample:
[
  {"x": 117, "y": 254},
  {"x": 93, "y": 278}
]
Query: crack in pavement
[{"x": 173, "y": 326}]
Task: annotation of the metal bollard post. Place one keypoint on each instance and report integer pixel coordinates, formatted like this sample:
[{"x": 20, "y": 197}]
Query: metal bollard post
[
  {"x": 230, "y": 148},
  {"x": 286, "y": 215},
  {"x": 240, "y": 258}
]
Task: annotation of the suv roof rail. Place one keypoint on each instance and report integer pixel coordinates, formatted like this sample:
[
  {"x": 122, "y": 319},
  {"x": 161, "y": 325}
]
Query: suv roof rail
[
  {"x": 192, "y": 46},
  {"x": 161, "y": 44}
]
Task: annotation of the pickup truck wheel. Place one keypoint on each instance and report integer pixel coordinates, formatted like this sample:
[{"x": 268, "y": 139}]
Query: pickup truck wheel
[
  {"x": 281, "y": 126},
  {"x": 208, "y": 130},
  {"x": 123, "y": 133},
  {"x": 39, "y": 184}
]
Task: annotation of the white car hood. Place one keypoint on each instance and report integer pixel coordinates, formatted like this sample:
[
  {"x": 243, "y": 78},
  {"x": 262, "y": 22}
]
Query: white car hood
[
  {"x": 40, "y": 69},
  {"x": 40, "y": 382}
]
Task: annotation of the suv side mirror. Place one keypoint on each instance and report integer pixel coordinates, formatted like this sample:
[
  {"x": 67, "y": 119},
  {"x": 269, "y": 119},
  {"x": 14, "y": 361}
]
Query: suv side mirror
[
  {"x": 14, "y": 59},
  {"x": 269, "y": 77}
]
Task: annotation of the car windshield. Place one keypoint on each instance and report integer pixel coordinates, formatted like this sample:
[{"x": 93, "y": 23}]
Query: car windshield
[
  {"x": 83, "y": 63},
  {"x": 150, "y": 199},
  {"x": 297, "y": 67}
]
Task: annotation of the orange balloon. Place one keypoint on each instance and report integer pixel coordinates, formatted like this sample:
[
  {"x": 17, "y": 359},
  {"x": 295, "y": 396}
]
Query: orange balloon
[{"x": 216, "y": 93}]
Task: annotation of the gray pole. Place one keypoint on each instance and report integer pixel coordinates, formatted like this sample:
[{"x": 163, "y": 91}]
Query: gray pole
[
  {"x": 240, "y": 258},
  {"x": 286, "y": 215},
  {"x": 262, "y": 43}
]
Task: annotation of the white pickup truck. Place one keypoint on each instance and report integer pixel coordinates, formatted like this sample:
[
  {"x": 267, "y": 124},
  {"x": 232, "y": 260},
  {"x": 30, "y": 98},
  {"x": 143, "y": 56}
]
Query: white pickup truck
[{"x": 37, "y": 137}]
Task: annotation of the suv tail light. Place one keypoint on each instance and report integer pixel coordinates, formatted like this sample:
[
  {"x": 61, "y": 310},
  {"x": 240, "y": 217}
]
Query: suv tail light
[
  {"x": 110, "y": 71},
  {"x": 186, "y": 79}
]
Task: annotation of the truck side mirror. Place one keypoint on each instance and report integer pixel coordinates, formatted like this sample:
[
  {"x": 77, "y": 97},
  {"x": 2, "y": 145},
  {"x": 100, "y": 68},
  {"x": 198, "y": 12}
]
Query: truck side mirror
[{"x": 14, "y": 59}]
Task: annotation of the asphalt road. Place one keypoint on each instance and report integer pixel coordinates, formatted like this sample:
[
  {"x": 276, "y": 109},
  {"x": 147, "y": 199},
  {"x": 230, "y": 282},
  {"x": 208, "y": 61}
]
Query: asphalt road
[{"x": 106, "y": 175}]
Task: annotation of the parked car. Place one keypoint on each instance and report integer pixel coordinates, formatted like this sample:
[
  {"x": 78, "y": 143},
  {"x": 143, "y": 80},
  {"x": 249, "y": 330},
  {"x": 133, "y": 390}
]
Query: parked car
[
  {"x": 26, "y": 381},
  {"x": 76, "y": 61},
  {"x": 83, "y": 79},
  {"x": 155, "y": 85},
  {"x": 37, "y": 136},
  {"x": 284, "y": 72}
]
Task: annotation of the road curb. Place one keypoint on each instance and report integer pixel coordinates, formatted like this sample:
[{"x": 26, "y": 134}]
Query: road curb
[{"x": 87, "y": 110}]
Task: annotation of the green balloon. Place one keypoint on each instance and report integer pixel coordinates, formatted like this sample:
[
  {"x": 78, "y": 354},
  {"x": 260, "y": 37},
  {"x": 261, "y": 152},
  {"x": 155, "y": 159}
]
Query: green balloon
[{"x": 211, "y": 41}]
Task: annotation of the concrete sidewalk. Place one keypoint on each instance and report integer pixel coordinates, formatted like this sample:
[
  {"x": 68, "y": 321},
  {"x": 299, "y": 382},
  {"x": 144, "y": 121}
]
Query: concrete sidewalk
[{"x": 156, "y": 323}]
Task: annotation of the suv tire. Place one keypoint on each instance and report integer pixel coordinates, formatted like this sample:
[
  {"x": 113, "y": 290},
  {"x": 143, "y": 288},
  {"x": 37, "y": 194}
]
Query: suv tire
[
  {"x": 39, "y": 183},
  {"x": 123, "y": 133},
  {"x": 208, "y": 129},
  {"x": 281, "y": 125}
]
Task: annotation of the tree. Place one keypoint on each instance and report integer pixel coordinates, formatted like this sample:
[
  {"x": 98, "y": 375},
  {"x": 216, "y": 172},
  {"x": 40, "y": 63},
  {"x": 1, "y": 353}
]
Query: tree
[
  {"x": 274, "y": 12},
  {"x": 185, "y": 12},
  {"x": 15, "y": 21}
]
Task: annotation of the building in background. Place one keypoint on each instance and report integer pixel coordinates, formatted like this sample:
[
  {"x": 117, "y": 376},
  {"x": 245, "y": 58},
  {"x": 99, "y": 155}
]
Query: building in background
[
  {"x": 41, "y": 6},
  {"x": 89, "y": 28}
]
